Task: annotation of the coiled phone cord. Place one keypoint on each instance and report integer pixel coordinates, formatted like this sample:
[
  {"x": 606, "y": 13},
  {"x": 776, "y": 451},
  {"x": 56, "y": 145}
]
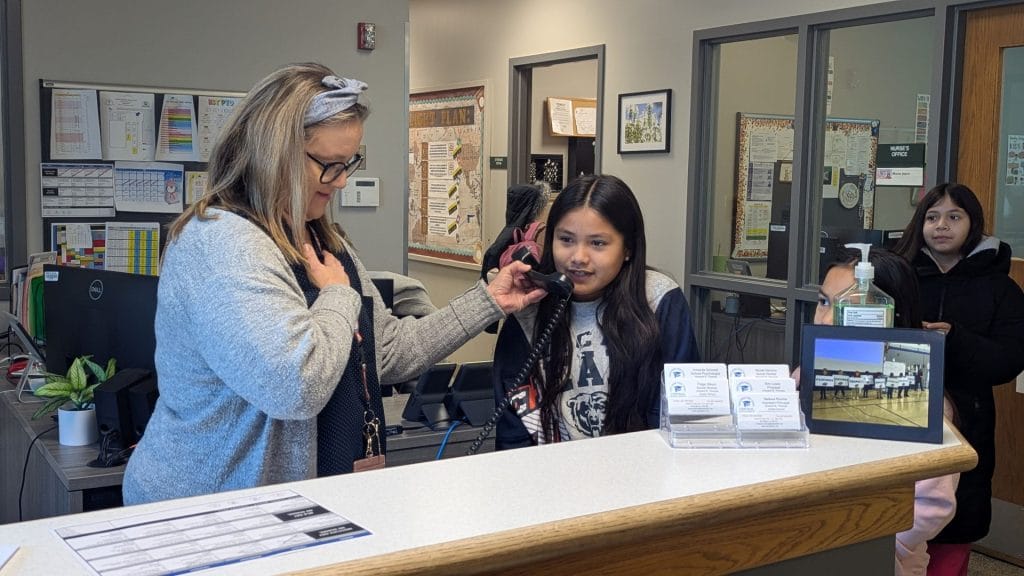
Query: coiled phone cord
[{"x": 522, "y": 375}]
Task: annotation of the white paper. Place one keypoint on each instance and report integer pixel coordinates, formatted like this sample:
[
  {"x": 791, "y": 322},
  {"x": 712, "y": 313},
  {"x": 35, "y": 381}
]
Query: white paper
[
  {"x": 696, "y": 389},
  {"x": 779, "y": 411},
  {"x": 214, "y": 112},
  {"x": 899, "y": 176},
  {"x": 438, "y": 207},
  {"x": 560, "y": 111},
  {"x": 442, "y": 188},
  {"x": 442, "y": 169},
  {"x": 759, "y": 181},
  {"x": 78, "y": 235},
  {"x": 195, "y": 186},
  {"x": 149, "y": 187},
  {"x": 133, "y": 247},
  {"x": 763, "y": 148},
  {"x": 74, "y": 125},
  {"x": 204, "y": 536},
  {"x": 76, "y": 190},
  {"x": 586, "y": 121},
  {"x": 443, "y": 150},
  {"x": 758, "y": 371},
  {"x": 762, "y": 385},
  {"x": 177, "y": 136},
  {"x": 127, "y": 125},
  {"x": 441, "y": 226}
]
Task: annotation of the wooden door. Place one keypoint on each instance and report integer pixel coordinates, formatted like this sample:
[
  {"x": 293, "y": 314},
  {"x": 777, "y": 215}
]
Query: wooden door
[{"x": 987, "y": 33}]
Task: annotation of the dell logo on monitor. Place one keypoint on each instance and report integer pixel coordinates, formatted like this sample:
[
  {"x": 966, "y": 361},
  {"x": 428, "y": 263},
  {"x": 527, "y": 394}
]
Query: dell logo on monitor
[{"x": 96, "y": 289}]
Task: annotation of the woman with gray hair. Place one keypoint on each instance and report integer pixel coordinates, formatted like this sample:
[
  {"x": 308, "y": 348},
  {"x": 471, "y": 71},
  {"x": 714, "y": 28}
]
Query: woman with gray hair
[{"x": 271, "y": 339}]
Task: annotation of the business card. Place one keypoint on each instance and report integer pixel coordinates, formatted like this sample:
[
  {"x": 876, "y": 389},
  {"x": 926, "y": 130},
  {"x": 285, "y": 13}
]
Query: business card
[
  {"x": 696, "y": 389},
  {"x": 762, "y": 385},
  {"x": 758, "y": 371},
  {"x": 763, "y": 411}
]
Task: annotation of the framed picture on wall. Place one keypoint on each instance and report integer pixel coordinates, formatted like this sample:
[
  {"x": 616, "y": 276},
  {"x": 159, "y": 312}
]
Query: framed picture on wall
[
  {"x": 645, "y": 121},
  {"x": 546, "y": 167}
]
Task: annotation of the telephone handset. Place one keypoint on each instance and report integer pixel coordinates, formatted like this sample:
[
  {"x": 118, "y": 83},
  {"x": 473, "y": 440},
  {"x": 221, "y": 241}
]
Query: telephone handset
[{"x": 555, "y": 283}]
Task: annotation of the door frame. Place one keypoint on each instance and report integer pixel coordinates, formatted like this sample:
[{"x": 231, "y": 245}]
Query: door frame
[{"x": 520, "y": 94}]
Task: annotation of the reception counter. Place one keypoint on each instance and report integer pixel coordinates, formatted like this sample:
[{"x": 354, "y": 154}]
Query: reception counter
[{"x": 614, "y": 505}]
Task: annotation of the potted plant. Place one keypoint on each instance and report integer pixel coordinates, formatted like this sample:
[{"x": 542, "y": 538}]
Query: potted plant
[{"x": 72, "y": 394}]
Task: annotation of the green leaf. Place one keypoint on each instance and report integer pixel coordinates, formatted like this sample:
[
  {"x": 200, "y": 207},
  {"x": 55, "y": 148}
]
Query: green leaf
[
  {"x": 49, "y": 407},
  {"x": 76, "y": 374},
  {"x": 56, "y": 389},
  {"x": 96, "y": 370},
  {"x": 87, "y": 394},
  {"x": 111, "y": 368}
]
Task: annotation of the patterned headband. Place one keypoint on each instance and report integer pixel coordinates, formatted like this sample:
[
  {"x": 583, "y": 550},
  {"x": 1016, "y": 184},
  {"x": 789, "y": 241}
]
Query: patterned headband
[{"x": 343, "y": 95}]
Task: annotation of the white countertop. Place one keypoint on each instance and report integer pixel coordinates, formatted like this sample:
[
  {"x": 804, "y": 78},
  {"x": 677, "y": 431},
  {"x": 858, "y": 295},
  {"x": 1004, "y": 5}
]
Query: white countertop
[{"x": 436, "y": 502}]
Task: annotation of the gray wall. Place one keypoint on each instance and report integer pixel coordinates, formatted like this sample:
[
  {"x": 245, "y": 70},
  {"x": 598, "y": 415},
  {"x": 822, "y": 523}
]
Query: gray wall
[
  {"x": 648, "y": 46},
  {"x": 229, "y": 45},
  {"x": 566, "y": 80}
]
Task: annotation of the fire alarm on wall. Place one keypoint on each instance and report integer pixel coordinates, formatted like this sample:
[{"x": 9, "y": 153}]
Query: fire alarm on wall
[{"x": 367, "y": 35}]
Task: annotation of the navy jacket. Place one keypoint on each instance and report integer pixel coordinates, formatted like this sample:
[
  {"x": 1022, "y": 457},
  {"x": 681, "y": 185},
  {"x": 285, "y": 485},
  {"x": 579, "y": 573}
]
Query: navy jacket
[{"x": 678, "y": 345}]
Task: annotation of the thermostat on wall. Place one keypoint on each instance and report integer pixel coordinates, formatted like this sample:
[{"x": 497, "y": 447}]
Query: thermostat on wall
[{"x": 361, "y": 192}]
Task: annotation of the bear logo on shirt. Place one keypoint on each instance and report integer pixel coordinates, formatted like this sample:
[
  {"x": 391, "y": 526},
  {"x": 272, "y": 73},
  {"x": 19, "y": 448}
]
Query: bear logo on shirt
[{"x": 587, "y": 411}]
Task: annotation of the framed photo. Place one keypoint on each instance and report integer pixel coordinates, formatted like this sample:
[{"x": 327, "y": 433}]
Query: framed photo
[
  {"x": 873, "y": 382},
  {"x": 645, "y": 119}
]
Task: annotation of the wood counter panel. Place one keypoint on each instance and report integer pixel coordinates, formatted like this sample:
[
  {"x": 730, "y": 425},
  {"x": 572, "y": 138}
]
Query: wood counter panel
[{"x": 712, "y": 533}]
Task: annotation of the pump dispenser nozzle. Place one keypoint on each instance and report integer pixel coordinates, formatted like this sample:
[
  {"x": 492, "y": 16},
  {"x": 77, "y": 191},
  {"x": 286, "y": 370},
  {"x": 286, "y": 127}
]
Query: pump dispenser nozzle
[
  {"x": 864, "y": 270},
  {"x": 863, "y": 304}
]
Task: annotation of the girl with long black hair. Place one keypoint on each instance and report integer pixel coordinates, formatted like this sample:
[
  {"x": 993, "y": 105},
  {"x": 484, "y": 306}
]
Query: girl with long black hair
[
  {"x": 969, "y": 296},
  {"x": 601, "y": 373}
]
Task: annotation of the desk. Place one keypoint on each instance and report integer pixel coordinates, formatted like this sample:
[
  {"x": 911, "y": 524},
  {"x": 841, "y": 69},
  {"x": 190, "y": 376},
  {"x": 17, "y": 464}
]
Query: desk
[
  {"x": 419, "y": 443},
  {"x": 59, "y": 480},
  {"x": 625, "y": 504}
]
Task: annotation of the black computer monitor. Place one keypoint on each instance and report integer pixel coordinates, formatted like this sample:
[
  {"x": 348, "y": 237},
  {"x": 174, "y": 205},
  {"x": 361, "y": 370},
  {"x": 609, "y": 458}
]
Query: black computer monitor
[
  {"x": 426, "y": 403},
  {"x": 472, "y": 395},
  {"x": 99, "y": 313}
]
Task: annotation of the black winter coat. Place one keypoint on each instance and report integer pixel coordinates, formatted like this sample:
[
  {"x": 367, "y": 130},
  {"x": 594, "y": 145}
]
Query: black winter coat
[{"x": 985, "y": 348}]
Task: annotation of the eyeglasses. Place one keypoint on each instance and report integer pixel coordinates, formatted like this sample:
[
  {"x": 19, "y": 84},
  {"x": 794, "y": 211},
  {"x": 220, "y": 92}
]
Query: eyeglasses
[{"x": 331, "y": 170}]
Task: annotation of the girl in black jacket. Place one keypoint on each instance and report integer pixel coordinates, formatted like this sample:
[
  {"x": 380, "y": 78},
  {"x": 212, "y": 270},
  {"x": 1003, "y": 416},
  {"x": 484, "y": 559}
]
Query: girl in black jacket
[{"x": 968, "y": 295}]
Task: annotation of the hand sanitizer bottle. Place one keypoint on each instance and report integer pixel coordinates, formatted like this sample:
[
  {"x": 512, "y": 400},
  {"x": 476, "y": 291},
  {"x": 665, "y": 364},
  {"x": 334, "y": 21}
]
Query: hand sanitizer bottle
[{"x": 863, "y": 304}]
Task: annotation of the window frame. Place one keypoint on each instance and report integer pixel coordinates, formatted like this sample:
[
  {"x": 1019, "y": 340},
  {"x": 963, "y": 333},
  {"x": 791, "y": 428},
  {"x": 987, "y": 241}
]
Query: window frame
[
  {"x": 12, "y": 138},
  {"x": 812, "y": 57}
]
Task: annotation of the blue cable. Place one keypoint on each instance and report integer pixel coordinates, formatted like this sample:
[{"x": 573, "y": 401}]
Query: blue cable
[{"x": 440, "y": 449}]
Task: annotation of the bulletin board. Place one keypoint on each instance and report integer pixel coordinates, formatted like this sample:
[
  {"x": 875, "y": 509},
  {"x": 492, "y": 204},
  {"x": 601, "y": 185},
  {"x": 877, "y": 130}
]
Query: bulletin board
[
  {"x": 119, "y": 163},
  {"x": 571, "y": 116},
  {"x": 446, "y": 186},
  {"x": 762, "y": 140}
]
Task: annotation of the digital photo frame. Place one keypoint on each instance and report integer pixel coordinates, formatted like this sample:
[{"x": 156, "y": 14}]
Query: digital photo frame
[
  {"x": 426, "y": 403},
  {"x": 873, "y": 382},
  {"x": 472, "y": 394}
]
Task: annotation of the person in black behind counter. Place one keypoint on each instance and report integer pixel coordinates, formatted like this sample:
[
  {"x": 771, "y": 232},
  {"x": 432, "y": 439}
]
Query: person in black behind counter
[
  {"x": 969, "y": 296},
  {"x": 270, "y": 338}
]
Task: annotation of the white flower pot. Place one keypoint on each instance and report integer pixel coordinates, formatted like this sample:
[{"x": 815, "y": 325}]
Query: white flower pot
[{"x": 77, "y": 427}]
